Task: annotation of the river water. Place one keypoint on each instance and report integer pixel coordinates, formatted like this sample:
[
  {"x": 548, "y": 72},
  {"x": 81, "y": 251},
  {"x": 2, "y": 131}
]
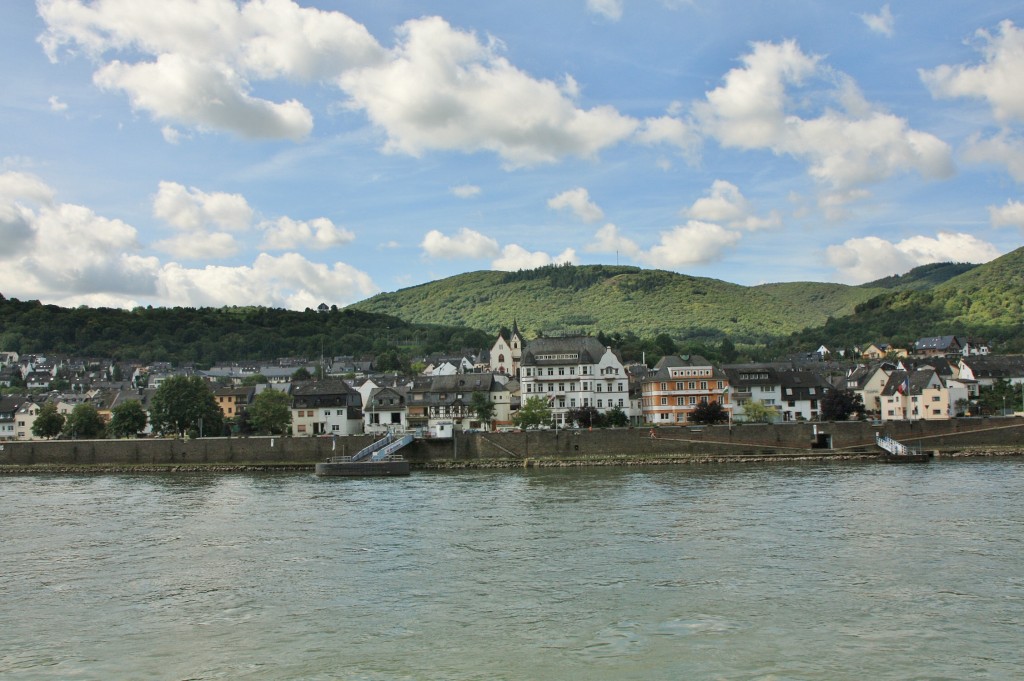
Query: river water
[{"x": 802, "y": 571}]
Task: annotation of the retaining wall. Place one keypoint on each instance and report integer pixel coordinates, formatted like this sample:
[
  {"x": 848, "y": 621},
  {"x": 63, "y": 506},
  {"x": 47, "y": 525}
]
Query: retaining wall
[{"x": 745, "y": 440}]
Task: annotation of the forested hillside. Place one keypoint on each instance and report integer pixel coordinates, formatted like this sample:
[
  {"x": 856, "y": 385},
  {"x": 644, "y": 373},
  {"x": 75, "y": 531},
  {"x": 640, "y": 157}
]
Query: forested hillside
[
  {"x": 208, "y": 335},
  {"x": 986, "y": 301},
  {"x": 596, "y": 298}
]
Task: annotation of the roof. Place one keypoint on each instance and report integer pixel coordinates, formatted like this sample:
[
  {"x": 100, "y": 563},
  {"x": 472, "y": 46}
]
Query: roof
[
  {"x": 936, "y": 343},
  {"x": 664, "y": 366},
  {"x": 588, "y": 349},
  {"x": 325, "y": 394}
]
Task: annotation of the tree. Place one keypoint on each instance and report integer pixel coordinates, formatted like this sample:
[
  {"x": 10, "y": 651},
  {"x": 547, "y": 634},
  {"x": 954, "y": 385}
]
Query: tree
[
  {"x": 483, "y": 408},
  {"x": 128, "y": 419},
  {"x": 534, "y": 412},
  {"x": 301, "y": 374},
  {"x": 270, "y": 412},
  {"x": 759, "y": 412},
  {"x": 254, "y": 379},
  {"x": 616, "y": 418},
  {"x": 85, "y": 423},
  {"x": 839, "y": 405},
  {"x": 185, "y": 403},
  {"x": 49, "y": 421},
  {"x": 708, "y": 413},
  {"x": 585, "y": 417}
]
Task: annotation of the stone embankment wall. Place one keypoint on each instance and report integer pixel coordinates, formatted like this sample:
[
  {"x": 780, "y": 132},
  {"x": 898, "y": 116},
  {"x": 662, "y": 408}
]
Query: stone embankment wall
[{"x": 797, "y": 439}]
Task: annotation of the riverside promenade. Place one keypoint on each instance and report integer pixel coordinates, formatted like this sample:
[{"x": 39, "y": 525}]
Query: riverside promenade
[{"x": 536, "y": 448}]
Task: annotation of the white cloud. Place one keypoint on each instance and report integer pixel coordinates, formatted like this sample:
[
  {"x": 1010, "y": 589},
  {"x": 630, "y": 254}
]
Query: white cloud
[
  {"x": 883, "y": 22},
  {"x": 285, "y": 233},
  {"x": 187, "y": 246},
  {"x": 1003, "y": 148},
  {"x": 1010, "y": 215},
  {"x": 844, "y": 148},
  {"x": 609, "y": 240},
  {"x": 442, "y": 89},
  {"x": 289, "y": 281},
  {"x": 68, "y": 255},
  {"x": 206, "y": 54},
  {"x": 56, "y": 105},
  {"x": 467, "y": 243},
  {"x": 515, "y": 257},
  {"x": 578, "y": 201},
  {"x": 171, "y": 135},
  {"x": 609, "y": 9},
  {"x": 672, "y": 131},
  {"x": 693, "y": 243},
  {"x": 997, "y": 80},
  {"x": 726, "y": 204},
  {"x": 192, "y": 209},
  {"x": 868, "y": 258},
  {"x": 466, "y": 191}
]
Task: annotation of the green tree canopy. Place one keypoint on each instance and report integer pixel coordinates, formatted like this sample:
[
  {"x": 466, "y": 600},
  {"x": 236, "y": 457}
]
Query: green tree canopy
[
  {"x": 85, "y": 423},
  {"x": 270, "y": 412},
  {"x": 483, "y": 408},
  {"x": 708, "y": 413},
  {"x": 185, "y": 403},
  {"x": 254, "y": 379},
  {"x": 839, "y": 405},
  {"x": 49, "y": 421},
  {"x": 534, "y": 412},
  {"x": 128, "y": 419},
  {"x": 758, "y": 412},
  {"x": 585, "y": 417},
  {"x": 616, "y": 418},
  {"x": 301, "y": 374}
]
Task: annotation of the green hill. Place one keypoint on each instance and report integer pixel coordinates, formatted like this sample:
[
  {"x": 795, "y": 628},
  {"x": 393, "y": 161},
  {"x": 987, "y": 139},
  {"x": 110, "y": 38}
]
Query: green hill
[
  {"x": 594, "y": 298},
  {"x": 923, "y": 277},
  {"x": 986, "y": 301}
]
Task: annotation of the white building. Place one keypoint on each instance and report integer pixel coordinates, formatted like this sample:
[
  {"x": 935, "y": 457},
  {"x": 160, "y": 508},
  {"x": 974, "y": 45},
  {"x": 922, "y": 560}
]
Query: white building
[
  {"x": 573, "y": 372},
  {"x": 326, "y": 408}
]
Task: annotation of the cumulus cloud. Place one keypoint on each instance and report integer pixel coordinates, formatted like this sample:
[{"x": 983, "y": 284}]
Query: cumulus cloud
[
  {"x": 188, "y": 208},
  {"x": 1010, "y": 215},
  {"x": 56, "y": 105},
  {"x": 206, "y": 54},
  {"x": 693, "y": 243},
  {"x": 609, "y": 9},
  {"x": 69, "y": 255},
  {"x": 609, "y": 240},
  {"x": 285, "y": 233},
  {"x": 997, "y": 80},
  {"x": 1003, "y": 148},
  {"x": 696, "y": 242},
  {"x": 578, "y": 201},
  {"x": 289, "y": 280},
  {"x": 196, "y": 246},
  {"x": 883, "y": 22},
  {"x": 515, "y": 257},
  {"x": 868, "y": 258},
  {"x": 443, "y": 89},
  {"x": 845, "y": 147},
  {"x": 466, "y": 191},
  {"x": 467, "y": 243},
  {"x": 725, "y": 204},
  {"x": 672, "y": 131}
]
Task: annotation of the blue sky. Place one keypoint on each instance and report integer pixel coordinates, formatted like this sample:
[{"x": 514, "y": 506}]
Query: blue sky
[{"x": 280, "y": 153}]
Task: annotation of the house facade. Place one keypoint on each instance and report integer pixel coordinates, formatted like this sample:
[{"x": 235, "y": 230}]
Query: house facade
[
  {"x": 326, "y": 408},
  {"x": 384, "y": 411},
  {"x": 678, "y": 384},
  {"x": 506, "y": 355},
  {"x": 573, "y": 372}
]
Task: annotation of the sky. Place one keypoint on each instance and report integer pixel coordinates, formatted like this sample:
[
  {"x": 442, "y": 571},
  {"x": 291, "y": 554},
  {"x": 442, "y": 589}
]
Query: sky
[{"x": 286, "y": 153}]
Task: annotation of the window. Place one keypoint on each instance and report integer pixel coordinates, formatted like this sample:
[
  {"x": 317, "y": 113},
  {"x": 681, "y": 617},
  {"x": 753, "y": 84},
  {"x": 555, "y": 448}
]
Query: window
[
  {"x": 598, "y": 387},
  {"x": 501, "y": 357},
  {"x": 703, "y": 385},
  {"x": 720, "y": 386},
  {"x": 600, "y": 403},
  {"x": 572, "y": 402},
  {"x": 936, "y": 398},
  {"x": 664, "y": 400},
  {"x": 680, "y": 401},
  {"x": 664, "y": 386},
  {"x": 561, "y": 387},
  {"x": 620, "y": 402},
  {"x": 693, "y": 399},
  {"x": 620, "y": 387},
  {"x": 692, "y": 385},
  {"x": 679, "y": 386},
  {"x": 561, "y": 371},
  {"x": 551, "y": 371}
]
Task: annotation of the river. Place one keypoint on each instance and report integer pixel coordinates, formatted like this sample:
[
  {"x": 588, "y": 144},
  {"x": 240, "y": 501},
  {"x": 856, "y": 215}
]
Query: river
[{"x": 775, "y": 572}]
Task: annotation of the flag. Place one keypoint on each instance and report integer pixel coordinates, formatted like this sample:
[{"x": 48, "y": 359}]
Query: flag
[{"x": 904, "y": 387}]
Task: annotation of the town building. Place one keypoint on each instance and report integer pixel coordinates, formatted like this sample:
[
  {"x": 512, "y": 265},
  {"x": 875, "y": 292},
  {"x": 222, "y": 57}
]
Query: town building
[
  {"x": 678, "y": 384},
  {"x": 572, "y": 372},
  {"x": 326, "y": 408},
  {"x": 506, "y": 354}
]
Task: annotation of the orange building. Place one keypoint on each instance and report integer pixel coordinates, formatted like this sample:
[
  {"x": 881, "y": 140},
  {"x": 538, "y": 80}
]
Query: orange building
[{"x": 678, "y": 384}]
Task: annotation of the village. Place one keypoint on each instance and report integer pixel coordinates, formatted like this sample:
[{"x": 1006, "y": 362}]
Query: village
[{"x": 574, "y": 381}]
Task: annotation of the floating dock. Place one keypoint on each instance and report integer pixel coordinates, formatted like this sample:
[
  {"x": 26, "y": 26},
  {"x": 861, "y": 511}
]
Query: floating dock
[{"x": 378, "y": 459}]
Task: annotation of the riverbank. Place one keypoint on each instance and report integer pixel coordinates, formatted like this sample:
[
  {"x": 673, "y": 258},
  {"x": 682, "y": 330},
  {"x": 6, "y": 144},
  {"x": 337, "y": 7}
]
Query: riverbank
[{"x": 489, "y": 464}]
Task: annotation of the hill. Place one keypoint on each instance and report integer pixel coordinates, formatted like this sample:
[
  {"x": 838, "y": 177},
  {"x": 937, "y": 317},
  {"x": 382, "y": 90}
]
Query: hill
[
  {"x": 986, "y": 301},
  {"x": 594, "y": 298},
  {"x": 208, "y": 335},
  {"x": 923, "y": 277}
]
